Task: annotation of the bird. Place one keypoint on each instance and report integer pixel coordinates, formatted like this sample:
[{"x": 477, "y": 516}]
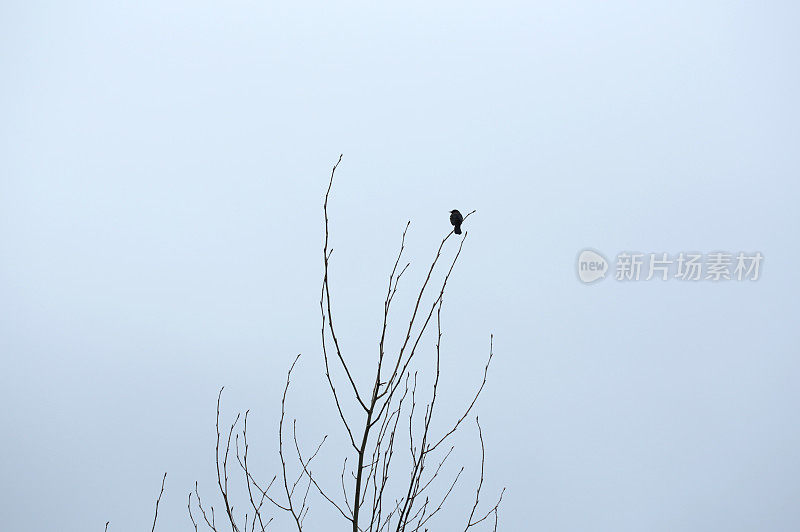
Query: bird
[{"x": 456, "y": 219}]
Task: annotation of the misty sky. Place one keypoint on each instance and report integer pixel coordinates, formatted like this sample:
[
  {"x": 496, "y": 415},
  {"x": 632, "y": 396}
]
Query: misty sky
[{"x": 162, "y": 170}]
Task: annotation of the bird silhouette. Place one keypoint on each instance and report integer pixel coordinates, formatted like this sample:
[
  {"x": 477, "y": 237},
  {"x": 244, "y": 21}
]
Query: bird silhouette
[{"x": 456, "y": 219}]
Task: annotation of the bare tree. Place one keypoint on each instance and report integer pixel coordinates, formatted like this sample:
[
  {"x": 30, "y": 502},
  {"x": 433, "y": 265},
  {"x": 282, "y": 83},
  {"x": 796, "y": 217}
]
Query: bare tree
[{"x": 378, "y": 491}]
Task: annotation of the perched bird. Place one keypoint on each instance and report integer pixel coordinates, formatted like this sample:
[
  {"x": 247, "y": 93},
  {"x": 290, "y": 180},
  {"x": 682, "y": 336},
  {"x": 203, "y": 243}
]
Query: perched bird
[{"x": 456, "y": 219}]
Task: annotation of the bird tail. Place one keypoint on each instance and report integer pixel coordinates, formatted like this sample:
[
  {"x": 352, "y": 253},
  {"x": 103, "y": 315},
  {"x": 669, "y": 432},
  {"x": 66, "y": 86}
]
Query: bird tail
[{"x": 457, "y": 230}]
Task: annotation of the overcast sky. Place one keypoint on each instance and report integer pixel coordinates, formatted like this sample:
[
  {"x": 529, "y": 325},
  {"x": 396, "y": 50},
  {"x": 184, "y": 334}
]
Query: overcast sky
[{"x": 162, "y": 169}]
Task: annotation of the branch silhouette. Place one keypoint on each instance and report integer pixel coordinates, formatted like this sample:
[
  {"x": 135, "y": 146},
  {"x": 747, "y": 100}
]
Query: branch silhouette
[{"x": 389, "y": 415}]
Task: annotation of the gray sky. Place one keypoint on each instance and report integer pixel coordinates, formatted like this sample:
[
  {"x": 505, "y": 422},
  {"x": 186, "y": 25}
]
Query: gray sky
[{"x": 162, "y": 167}]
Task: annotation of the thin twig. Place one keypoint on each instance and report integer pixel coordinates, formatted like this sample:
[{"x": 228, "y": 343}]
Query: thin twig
[{"x": 155, "y": 517}]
